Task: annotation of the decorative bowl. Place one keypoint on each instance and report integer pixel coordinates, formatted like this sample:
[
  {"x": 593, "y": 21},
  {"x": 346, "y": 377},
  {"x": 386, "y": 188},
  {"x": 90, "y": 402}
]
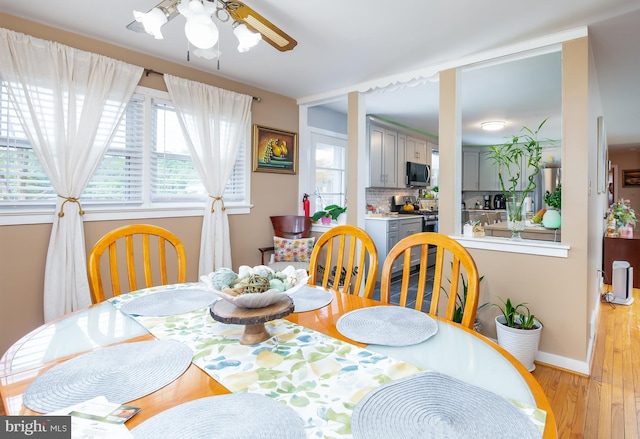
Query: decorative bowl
[
  {"x": 253, "y": 300},
  {"x": 295, "y": 278}
]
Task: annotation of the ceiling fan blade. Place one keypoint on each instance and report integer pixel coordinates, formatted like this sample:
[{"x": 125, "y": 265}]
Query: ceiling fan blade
[
  {"x": 170, "y": 8},
  {"x": 257, "y": 23}
]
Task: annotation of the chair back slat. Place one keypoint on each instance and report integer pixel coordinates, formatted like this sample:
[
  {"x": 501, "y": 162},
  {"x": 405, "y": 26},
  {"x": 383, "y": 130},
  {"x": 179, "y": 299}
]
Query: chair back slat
[
  {"x": 162, "y": 257},
  {"x": 113, "y": 270},
  {"x": 137, "y": 241}
]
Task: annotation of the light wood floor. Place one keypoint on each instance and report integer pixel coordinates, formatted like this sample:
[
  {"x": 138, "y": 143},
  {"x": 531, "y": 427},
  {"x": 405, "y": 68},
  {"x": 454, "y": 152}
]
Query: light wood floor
[{"x": 607, "y": 403}]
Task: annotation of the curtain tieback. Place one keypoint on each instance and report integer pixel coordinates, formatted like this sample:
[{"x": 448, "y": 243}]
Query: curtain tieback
[
  {"x": 73, "y": 200},
  {"x": 214, "y": 203}
]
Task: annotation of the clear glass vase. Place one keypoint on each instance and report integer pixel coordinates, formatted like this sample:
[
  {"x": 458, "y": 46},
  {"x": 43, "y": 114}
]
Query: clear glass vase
[{"x": 515, "y": 216}]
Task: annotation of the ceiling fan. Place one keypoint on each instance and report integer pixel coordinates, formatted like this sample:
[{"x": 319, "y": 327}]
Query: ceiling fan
[{"x": 248, "y": 26}]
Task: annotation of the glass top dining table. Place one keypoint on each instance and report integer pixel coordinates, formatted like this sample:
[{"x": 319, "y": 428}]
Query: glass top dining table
[{"x": 454, "y": 350}]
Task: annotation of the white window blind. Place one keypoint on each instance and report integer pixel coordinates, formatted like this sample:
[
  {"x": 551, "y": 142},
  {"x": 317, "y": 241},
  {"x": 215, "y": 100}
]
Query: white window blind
[
  {"x": 118, "y": 178},
  {"x": 22, "y": 178},
  {"x": 173, "y": 175},
  {"x": 147, "y": 163}
]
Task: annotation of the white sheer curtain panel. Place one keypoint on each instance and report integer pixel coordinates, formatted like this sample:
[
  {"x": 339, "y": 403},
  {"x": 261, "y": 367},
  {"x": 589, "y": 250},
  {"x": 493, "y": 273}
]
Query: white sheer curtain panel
[
  {"x": 70, "y": 103},
  {"x": 214, "y": 122}
]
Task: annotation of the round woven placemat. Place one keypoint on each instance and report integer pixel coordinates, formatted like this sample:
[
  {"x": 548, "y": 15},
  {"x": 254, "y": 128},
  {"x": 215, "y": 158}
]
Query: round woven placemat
[
  {"x": 387, "y": 325},
  {"x": 121, "y": 373},
  {"x": 237, "y": 416},
  {"x": 170, "y": 302},
  {"x": 434, "y": 405},
  {"x": 309, "y": 298}
]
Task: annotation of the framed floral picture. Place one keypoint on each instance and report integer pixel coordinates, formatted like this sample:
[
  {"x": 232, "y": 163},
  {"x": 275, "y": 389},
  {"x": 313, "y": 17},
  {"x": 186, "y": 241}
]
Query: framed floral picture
[{"x": 274, "y": 150}]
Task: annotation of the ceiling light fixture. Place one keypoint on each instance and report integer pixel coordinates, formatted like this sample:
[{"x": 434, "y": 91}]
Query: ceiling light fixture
[
  {"x": 246, "y": 38},
  {"x": 199, "y": 29},
  {"x": 493, "y": 125},
  {"x": 153, "y": 20}
]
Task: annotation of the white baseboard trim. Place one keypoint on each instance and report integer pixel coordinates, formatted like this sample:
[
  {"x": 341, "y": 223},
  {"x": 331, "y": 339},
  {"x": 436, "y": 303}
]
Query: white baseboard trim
[{"x": 563, "y": 362}]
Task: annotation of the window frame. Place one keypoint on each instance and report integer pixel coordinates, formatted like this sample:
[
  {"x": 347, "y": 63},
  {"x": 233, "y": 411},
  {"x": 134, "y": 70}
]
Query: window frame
[
  {"x": 316, "y": 136},
  {"x": 42, "y": 214}
]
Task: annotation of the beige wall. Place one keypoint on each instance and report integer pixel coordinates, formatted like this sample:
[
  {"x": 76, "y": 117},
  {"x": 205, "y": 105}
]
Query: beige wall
[
  {"x": 23, "y": 249},
  {"x": 559, "y": 291}
]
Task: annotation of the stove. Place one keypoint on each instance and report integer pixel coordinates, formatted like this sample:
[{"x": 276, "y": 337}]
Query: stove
[{"x": 430, "y": 216}]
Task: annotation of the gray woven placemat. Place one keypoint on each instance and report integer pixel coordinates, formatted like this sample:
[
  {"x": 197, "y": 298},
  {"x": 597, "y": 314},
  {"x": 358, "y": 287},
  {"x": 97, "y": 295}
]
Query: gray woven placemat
[
  {"x": 387, "y": 325},
  {"x": 434, "y": 405},
  {"x": 308, "y": 298},
  {"x": 121, "y": 373},
  {"x": 170, "y": 302},
  {"x": 237, "y": 416}
]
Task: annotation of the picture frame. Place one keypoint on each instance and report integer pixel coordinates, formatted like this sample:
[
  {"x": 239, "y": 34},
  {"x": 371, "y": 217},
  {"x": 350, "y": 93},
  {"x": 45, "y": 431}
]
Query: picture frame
[
  {"x": 631, "y": 177},
  {"x": 602, "y": 157},
  {"x": 274, "y": 150}
]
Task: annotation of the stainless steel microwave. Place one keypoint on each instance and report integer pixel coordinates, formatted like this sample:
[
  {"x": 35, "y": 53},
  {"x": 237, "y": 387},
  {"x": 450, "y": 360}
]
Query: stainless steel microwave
[{"x": 418, "y": 174}]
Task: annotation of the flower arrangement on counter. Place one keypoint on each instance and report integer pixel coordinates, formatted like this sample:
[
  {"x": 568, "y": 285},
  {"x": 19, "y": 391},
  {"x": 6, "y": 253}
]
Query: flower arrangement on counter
[{"x": 622, "y": 212}]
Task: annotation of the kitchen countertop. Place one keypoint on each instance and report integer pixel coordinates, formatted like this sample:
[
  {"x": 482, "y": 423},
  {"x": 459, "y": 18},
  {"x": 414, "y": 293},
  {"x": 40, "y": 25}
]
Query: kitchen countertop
[
  {"x": 530, "y": 232},
  {"x": 392, "y": 217}
]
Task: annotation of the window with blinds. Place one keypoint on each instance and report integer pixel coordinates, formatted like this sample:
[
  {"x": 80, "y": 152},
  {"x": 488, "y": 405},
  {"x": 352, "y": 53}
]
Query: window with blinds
[
  {"x": 22, "y": 179},
  {"x": 147, "y": 164}
]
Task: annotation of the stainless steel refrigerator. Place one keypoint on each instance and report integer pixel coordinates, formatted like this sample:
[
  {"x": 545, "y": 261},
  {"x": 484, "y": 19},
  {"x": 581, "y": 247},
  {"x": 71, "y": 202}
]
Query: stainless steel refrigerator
[{"x": 546, "y": 180}]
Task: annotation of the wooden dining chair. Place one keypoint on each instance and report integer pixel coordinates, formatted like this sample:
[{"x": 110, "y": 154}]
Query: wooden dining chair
[
  {"x": 136, "y": 245},
  {"x": 341, "y": 257},
  {"x": 447, "y": 250},
  {"x": 289, "y": 227}
]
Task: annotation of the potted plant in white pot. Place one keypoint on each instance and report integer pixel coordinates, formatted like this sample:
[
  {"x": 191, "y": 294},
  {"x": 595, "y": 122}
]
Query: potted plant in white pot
[
  {"x": 518, "y": 332},
  {"x": 551, "y": 218},
  {"x": 508, "y": 158}
]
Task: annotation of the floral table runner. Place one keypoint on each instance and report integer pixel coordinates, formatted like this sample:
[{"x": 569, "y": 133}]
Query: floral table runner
[{"x": 321, "y": 377}]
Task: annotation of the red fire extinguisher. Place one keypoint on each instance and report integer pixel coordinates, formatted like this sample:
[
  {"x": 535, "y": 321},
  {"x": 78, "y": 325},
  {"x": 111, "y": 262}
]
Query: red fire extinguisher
[{"x": 306, "y": 205}]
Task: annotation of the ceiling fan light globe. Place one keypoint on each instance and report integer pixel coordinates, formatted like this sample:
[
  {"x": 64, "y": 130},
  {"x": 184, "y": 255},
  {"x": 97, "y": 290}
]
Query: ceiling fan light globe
[
  {"x": 200, "y": 34},
  {"x": 152, "y": 21},
  {"x": 209, "y": 54},
  {"x": 196, "y": 7},
  {"x": 246, "y": 38}
]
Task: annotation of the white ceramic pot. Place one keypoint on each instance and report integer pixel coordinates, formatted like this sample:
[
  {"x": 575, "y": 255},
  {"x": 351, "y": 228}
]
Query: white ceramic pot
[
  {"x": 521, "y": 343},
  {"x": 551, "y": 219}
]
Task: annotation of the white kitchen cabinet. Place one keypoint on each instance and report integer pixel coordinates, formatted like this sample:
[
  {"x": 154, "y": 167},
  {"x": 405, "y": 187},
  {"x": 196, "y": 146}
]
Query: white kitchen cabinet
[
  {"x": 487, "y": 172},
  {"x": 480, "y": 173},
  {"x": 470, "y": 170},
  {"x": 383, "y": 157},
  {"x": 387, "y": 231},
  {"x": 410, "y": 227},
  {"x": 417, "y": 150},
  {"x": 384, "y": 233}
]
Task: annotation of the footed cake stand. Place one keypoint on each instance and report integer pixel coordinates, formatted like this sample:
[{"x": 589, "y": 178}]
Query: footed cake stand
[{"x": 253, "y": 319}]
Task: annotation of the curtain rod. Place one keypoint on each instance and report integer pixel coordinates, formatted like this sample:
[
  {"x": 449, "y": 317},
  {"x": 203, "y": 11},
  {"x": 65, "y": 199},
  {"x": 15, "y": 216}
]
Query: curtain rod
[{"x": 148, "y": 72}]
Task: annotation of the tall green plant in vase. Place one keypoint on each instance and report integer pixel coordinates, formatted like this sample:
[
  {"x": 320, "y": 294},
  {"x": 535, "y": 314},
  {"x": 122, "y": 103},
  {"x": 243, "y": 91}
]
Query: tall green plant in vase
[{"x": 510, "y": 158}]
